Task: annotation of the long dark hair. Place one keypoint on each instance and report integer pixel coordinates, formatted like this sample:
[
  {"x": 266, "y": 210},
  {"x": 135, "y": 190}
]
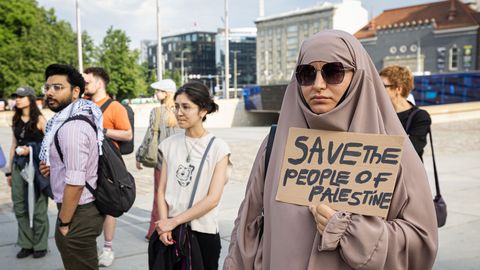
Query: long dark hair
[{"x": 34, "y": 115}]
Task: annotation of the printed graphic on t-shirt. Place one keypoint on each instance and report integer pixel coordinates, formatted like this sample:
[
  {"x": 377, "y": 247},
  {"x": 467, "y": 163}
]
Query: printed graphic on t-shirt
[{"x": 184, "y": 175}]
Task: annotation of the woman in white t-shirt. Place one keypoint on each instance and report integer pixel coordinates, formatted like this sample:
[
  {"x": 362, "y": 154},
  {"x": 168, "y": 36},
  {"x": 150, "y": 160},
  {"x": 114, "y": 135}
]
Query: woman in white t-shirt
[{"x": 182, "y": 154}]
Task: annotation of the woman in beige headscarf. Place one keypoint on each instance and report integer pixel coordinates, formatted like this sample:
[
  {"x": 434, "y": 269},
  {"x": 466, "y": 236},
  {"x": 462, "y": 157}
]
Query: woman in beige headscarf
[{"x": 296, "y": 237}]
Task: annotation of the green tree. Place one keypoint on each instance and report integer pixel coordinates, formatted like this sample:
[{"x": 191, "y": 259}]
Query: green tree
[
  {"x": 126, "y": 75},
  {"x": 31, "y": 38},
  {"x": 150, "y": 77},
  {"x": 89, "y": 50}
]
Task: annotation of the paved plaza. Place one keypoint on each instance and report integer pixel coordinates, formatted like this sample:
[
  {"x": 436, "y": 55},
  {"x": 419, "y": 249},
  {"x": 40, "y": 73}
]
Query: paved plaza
[{"x": 457, "y": 146}]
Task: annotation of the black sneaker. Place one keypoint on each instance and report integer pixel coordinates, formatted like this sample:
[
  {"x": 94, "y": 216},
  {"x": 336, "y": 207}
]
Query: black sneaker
[
  {"x": 39, "y": 253},
  {"x": 23, "y": 253}
]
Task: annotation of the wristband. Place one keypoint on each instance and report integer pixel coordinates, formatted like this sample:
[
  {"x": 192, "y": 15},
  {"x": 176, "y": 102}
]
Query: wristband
[
  {"x": 7, "y": 174},
  {"x": 61, "y": 224}
]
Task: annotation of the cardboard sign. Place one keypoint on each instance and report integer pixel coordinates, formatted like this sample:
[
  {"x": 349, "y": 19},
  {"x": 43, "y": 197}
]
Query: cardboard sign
[{"x": 347, "y": 171}]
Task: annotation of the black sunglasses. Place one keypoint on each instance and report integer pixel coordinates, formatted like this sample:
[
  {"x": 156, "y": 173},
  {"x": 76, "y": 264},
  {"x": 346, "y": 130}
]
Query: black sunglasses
[{"x": 332, "y": 73}]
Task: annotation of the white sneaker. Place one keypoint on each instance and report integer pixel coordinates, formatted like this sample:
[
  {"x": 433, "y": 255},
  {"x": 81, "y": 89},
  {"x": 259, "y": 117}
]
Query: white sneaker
[{"x": 106, "y": 258}]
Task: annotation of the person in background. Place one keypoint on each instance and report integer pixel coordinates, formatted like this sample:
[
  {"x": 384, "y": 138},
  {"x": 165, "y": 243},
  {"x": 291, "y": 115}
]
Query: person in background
[
  {"x": 116, "y": 126},
  {"x": 28, "y": 126},
  {"x": 163, "y": 119},
  {"x": 398, "y": 82},
  {"x": 335, "y": 87},
  {"x": 182, "y": 156}
]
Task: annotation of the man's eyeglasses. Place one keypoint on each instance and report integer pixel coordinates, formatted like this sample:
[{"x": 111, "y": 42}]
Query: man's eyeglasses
[
  {"x": 56, "y": 87},
  {"x": 388, "y": 85},
  {"x": 332, "y": 73}
]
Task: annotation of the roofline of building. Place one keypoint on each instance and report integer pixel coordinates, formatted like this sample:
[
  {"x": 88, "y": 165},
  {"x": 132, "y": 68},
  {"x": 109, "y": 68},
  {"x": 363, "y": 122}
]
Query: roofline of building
[
  {"x": 323, "y": 7},
  {"x": 247, "y": 31},
  {"x": 406, "y": 24},
  {"x": 418, "y": 22},
  {"x": 186, "y": 32}
]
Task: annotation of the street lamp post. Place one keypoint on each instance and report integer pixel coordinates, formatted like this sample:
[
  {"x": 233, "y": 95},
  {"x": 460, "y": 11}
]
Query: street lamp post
[
  {"x": 235, "y": 71},
  {"x": 181, "y": 64}
]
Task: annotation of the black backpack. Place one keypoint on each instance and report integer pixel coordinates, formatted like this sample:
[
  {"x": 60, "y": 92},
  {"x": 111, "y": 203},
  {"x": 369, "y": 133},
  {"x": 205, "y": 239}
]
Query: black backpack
[
  {"x": 115, "y": 193},
  {"x": 126, "y": 147}
]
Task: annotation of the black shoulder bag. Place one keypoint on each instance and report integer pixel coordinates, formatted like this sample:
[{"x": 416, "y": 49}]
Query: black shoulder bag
[{"x": 438, "y": 201}]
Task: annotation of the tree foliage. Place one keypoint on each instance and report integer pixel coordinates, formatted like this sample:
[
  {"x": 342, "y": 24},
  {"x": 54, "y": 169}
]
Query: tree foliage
[
  {"x": 31, "y": 38},
  {"x": 126, "y": 75}
]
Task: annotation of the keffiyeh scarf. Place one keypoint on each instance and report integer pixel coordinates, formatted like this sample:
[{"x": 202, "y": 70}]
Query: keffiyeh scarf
[{"x": 79, "y": 107}]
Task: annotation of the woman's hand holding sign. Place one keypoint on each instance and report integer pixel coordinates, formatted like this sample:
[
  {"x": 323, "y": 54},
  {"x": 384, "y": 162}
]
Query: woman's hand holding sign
[{"x": 322, "y": 214}]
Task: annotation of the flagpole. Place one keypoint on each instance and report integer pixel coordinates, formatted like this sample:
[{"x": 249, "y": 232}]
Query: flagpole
[
  {"x": 159, "y": 45},
  {"x": 227, "y": 54},
  {"x": 79, "y": 38}
]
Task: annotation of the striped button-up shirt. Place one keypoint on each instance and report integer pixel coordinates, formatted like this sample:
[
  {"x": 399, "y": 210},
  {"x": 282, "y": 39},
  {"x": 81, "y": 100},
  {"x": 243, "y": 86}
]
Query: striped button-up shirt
[{"x": 78, "y": 142}]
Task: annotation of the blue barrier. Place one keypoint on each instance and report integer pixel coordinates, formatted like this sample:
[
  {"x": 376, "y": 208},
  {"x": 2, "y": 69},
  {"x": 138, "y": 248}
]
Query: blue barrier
[{"x": 433, "y": 89}]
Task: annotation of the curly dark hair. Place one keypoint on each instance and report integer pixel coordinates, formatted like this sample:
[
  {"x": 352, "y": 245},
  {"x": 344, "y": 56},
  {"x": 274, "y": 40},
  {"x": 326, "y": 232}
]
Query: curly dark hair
[
  {"x": 34, "y": 115},
  {"x": 199, "y": 94},
  {"x": 73, "y": 76}
]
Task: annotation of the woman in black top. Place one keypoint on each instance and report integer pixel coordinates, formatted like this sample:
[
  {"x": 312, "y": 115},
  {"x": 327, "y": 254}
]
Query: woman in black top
[
  {"x": 398, "y": 82},
  {"x": 28, "y": 126}
]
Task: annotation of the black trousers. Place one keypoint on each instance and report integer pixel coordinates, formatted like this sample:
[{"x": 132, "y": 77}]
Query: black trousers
[{"x": 210, "y": 247}]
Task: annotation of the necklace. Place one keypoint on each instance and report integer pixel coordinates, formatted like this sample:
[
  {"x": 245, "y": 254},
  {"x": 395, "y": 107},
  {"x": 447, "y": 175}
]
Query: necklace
[{"x": 189, "y": 151}]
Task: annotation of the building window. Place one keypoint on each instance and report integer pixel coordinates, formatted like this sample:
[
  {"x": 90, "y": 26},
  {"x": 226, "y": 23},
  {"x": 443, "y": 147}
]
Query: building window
[
  {"x": 454, "y": 58},
  {"x": 467, "y": 56},
  {"x": 441, "y": 58},
  {"x": 292, "y": 29}
]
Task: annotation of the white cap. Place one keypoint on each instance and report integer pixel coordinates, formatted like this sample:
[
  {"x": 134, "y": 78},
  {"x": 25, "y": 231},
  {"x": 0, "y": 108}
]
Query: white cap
[{"x": 165, "y": 85}]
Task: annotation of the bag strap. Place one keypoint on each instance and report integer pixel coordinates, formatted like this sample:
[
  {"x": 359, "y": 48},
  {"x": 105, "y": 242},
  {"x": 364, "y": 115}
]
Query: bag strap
[
  {"x": 106, "y": 104},
  {"x": 435, "y": 173},
  {"x": 195, "y": 185},
  {"x": 268, "y": 152},
  {"x": 410, "y": 119},
  {"x": 437, "y": 183},
  {"x": 156, "y": 120}
]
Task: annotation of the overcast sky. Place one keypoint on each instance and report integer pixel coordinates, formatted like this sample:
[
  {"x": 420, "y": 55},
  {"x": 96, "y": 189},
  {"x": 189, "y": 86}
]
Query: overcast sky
[{"x": 137, "y": 17}]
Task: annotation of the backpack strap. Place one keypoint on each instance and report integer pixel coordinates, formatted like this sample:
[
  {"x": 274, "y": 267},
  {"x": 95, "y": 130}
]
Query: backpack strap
[
  {"x": 76, "y": 117},
  {"x": 195, "y": 185},
  {"x": 106, "y": 104},
  {"x": 268, "y": 151},
  {"x": 410, "y": 119}
]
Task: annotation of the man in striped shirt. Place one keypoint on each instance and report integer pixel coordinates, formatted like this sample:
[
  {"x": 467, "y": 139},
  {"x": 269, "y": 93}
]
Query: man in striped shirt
[{"x": 79, "y": 222}]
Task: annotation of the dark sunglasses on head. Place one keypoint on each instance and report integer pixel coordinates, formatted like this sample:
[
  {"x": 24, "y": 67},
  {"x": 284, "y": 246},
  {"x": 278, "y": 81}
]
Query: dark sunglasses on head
[{"x": 332, "y": 73}]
